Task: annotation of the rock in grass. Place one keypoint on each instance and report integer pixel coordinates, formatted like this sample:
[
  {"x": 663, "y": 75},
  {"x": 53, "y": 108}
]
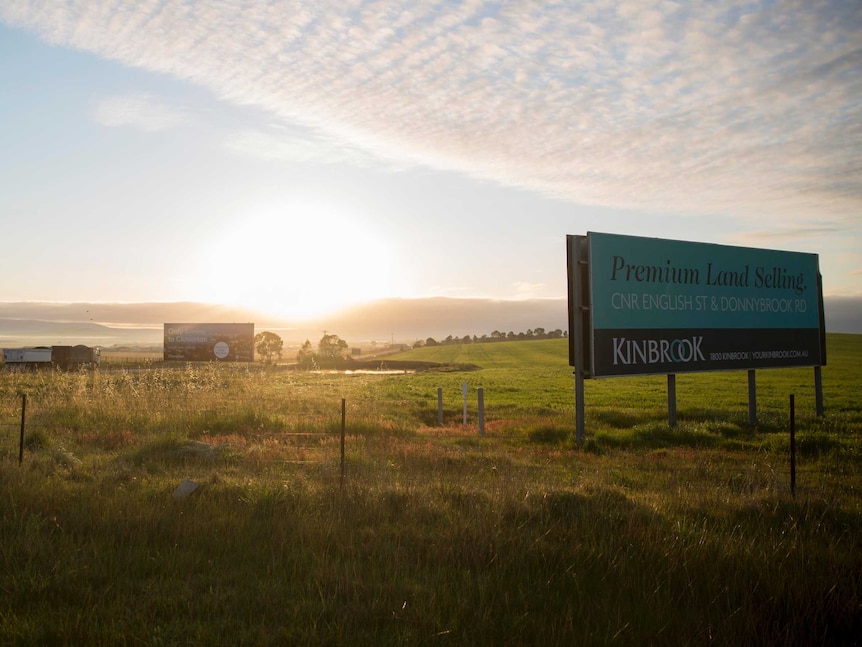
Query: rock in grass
[{"x": 184, "y": 489}]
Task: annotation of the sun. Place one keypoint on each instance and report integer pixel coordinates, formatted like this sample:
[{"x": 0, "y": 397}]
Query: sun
[{"x": 295, "y": 259}]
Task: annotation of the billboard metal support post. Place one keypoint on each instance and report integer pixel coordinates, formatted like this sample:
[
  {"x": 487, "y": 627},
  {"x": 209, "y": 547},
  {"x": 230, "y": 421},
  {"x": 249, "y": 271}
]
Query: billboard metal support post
[
  {"x": 818, "y": 390},
  {"x": 671, "y": 400},
  {"x": 578, "y": 272},
  {"x": 579, "y": 408},
  {"x": 752, "y": 398},
  {"x": 792, "y": 447}
]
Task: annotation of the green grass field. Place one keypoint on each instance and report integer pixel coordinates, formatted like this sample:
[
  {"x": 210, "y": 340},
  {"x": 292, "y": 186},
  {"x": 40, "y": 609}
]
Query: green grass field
[{"x": 435, "y": 535}]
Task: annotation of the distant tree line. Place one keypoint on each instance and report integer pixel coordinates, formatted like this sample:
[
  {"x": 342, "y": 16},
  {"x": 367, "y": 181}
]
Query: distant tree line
[
  {"x": 331, "y": 349},
  {"x": 495, "y": 336}
]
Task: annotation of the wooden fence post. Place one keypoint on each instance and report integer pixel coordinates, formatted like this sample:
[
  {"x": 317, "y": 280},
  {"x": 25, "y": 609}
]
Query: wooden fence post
[
  {"x": 23, "y": 418},
  {"x": 343, "y": 425}
]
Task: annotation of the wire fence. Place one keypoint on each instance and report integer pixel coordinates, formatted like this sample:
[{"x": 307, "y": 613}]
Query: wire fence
[
  {"x": 266, "y": 431},
  {"x": 221, "y": 414},
  {"x": 274, "y": 433}
]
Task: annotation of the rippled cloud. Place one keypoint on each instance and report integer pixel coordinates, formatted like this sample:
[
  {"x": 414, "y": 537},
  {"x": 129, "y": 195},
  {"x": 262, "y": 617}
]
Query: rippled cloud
[
  {"x": 749, "y": 109},
  {"x": 141, "y": 111}
]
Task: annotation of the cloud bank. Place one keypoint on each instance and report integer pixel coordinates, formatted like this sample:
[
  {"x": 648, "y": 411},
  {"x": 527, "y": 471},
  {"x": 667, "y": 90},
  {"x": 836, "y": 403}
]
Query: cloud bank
[{"x": 724, "y": 107}]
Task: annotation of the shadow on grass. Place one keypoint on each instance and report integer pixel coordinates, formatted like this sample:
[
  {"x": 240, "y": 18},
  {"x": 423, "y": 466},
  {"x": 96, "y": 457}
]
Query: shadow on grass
[
  {"x": 657, "y": 436},
  {"x": 396, "y": 565},
  {"x": 550, "y": 436},
  {"x": 174, "y": 451},
  {"x": 619, "y": 419}
]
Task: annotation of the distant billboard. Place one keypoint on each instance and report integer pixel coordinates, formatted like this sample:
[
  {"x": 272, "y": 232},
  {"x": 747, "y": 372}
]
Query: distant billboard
[
  {"x": 204, "y": 342},
  {"x": 647, "y": 305}
]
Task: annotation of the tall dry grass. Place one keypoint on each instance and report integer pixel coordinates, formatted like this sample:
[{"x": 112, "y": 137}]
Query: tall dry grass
[{"x": 647, "y": 535}]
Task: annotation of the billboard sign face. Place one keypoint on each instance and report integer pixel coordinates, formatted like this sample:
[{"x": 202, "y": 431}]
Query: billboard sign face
[
  {"x": 204, "y": 342},
  {"x": 667, "y": 306}
]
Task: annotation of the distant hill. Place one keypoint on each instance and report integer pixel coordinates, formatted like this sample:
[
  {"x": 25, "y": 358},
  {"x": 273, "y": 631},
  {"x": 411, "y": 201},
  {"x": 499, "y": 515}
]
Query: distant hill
[
  {"x": 411, "y": 319},
  {"x": 398, "y": 320},
  {"x": 29, "y": 332},
  {"x": 134, "y": 314},
  {"x": 843, "y": 314},
  {"x": 401, "y": 320}
]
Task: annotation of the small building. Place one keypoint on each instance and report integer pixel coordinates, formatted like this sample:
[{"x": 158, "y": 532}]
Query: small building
[
  {"x": 67, "y": 358},
  {"x": 70, "y": 358}
]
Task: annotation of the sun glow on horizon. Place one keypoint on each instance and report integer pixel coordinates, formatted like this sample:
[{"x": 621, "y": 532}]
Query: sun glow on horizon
[{"x": 295, "y": 259}]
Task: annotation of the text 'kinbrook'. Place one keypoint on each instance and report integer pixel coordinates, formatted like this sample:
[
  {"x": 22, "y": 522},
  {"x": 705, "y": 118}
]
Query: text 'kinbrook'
[{"x": 657, "y": 351}]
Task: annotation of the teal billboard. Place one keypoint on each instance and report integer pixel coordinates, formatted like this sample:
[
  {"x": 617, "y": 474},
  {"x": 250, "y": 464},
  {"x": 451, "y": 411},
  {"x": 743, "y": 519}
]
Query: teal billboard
[{"x": 665, "y": 306}]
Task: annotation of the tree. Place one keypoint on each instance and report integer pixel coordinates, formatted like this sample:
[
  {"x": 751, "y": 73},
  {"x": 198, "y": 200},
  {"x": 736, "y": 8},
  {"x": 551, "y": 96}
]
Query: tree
[
  {"x": 431, "y": 342},
  {"x": 268, "y": 344},
  {"x": 305, "y": 356},
  {"x": 331, "y": 347}
]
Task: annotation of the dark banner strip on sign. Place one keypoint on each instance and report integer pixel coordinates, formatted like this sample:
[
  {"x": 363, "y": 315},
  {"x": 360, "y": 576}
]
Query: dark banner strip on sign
[{"x": 647, "y": 351}]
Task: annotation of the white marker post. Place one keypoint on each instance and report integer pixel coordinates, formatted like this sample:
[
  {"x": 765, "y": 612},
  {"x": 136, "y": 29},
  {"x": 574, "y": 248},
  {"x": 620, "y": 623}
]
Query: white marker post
[{"x": 464, "y": 392}]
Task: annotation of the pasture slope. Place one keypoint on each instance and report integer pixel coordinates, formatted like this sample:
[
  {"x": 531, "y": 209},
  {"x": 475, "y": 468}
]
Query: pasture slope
[{"x": 431, "y": 534}]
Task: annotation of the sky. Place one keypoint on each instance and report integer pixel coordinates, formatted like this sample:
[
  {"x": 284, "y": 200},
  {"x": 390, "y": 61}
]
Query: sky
[{"x": 302, "y": 156}]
